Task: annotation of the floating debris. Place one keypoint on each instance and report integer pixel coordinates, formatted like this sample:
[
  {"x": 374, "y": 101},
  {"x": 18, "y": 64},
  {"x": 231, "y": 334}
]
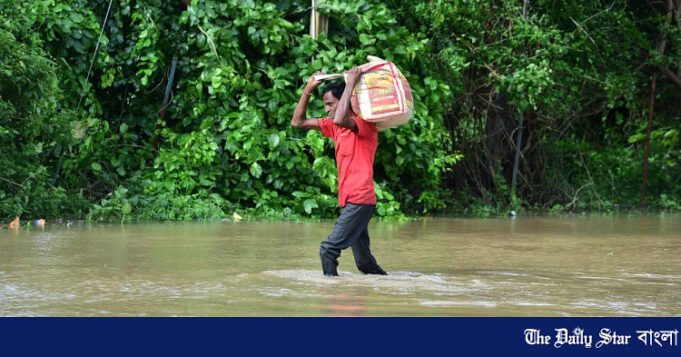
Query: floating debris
[
  {"x": 236, "y": 217},
  {"x": 14, "y": 224}
]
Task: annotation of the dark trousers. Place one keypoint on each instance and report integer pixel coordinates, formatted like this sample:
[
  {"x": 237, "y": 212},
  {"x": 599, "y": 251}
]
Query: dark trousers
[{"x": 350, "y": 231}]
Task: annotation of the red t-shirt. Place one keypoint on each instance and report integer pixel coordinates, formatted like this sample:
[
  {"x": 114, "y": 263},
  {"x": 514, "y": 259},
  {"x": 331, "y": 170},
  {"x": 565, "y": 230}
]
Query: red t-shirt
[{"x": 354, "y": 159}]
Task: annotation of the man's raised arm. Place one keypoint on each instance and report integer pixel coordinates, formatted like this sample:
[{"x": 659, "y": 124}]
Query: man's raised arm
[
  {"x": 344, "y": 110},
  {"x": 299, "y": 119}
]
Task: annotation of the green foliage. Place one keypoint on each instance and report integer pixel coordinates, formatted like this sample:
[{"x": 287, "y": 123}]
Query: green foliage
[
  {"x": 574, "y": 70},
  {"x": 109, "y": 147},
  {"x": 226, "y": 132},
  {"x": 34, "y": 126}
]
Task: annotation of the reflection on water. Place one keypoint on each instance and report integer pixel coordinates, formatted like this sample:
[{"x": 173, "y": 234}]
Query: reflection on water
[{"x": 567, "y": 266}]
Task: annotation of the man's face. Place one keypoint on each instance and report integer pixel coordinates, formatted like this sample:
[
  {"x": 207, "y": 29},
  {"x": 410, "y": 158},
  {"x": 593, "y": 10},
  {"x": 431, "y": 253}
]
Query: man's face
[{"x": 330, "y": 103}]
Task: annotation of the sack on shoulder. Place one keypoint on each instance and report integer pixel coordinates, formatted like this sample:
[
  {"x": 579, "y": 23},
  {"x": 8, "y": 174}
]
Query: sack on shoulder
[{"x": 382, "y": 94}]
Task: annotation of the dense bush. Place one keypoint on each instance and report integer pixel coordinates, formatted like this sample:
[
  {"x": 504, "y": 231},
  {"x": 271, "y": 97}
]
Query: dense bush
[
  {"x": 224, "y": 141},
  {"x": 34, "y": 125},
  {"x": 107, "y": 146}
]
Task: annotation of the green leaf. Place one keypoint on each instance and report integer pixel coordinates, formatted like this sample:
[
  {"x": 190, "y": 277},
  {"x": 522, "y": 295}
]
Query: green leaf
[
  {"x": 365, "y": 39},
  {"x": 380, "y": 210},
  {"x": 96, "y": 166},
  {"x": 274, "y": 140},
  {"x": 636, "y": 138},
  {"x": 256, "y": 170},
  {"x": 309, "y": 204}
]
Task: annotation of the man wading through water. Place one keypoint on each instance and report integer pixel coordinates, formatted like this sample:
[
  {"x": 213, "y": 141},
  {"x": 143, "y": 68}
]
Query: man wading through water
[{"x": 355, "y": 141}]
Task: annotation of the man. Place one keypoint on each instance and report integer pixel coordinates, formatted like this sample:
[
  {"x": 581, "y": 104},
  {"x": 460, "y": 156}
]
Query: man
[{"x": 355, "y": 141}]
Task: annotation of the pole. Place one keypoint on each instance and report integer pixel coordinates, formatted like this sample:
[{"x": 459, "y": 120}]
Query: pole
[
  {"x": 516, "y": 161},
  {"x": 647, "y": 153},
  {"x": 519, "y": 136},
  {"x": 314, "y": 19}
]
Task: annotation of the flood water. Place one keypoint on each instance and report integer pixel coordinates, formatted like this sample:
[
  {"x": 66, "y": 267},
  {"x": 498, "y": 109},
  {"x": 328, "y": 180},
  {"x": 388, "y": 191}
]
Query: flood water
[{"x": 544, "y": 266}]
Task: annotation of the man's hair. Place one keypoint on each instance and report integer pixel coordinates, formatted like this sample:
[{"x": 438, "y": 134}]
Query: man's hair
[{"x": 336, "y": 89}]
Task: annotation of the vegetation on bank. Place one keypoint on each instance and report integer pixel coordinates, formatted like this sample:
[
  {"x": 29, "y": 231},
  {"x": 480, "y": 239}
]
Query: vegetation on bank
[{"x": 86, "y": 130}]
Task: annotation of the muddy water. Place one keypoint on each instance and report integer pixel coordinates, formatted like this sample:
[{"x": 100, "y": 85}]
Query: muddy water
[{"x": 565, "y": 266}]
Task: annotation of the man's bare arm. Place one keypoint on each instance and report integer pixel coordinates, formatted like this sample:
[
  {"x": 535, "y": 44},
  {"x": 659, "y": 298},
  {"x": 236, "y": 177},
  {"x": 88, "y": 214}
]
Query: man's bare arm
[
  {"x": 344, "y": 110},
  {"x": 299, "y": 119}
]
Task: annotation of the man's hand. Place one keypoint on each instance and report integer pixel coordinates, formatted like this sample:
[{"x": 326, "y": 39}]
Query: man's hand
[
  {"x": 312, "y": 83},
  {"x": 298, "y": 120},
  {"x": 353, "y": 76},
  {"x": 343, "y": 109}
]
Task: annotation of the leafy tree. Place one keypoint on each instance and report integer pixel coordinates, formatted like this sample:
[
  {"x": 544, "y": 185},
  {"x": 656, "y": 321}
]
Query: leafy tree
[
  {"x": 180, "y": 110},
  {"x": 34, "y": 125}
]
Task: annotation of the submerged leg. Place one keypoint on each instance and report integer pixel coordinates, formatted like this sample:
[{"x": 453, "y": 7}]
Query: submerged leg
[
  {"x": 365, "y": 261},
  {"x": 350, "y": 226}
]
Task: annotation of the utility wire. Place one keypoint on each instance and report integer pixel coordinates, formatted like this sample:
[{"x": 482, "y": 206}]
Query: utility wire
[
  {"x": 94, "y": 56},
  {"x": 87, "y": 78}
]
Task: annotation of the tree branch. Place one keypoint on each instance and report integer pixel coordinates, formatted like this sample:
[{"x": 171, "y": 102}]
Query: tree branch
[
  {"x": 677, "y": 18},
  {"x": 672, "y": 13},
  {"x": 11, "y": 182},
  {"x": 662, "y": 43},
  {"x": 652, "y": 7},
  {"x": 672, "y": 76},
  {"x": 677, "y": 14}
]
